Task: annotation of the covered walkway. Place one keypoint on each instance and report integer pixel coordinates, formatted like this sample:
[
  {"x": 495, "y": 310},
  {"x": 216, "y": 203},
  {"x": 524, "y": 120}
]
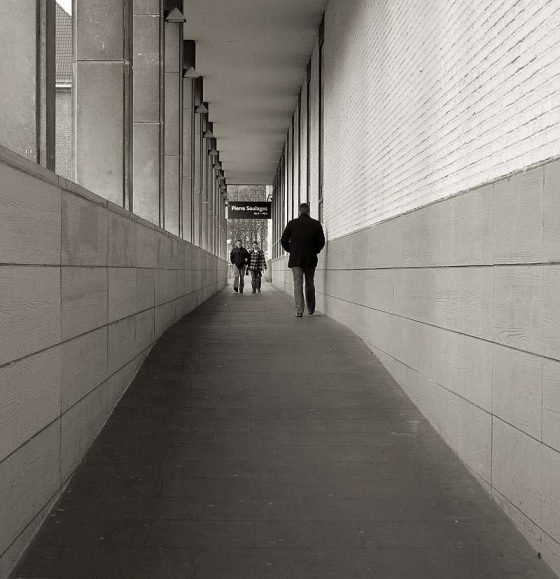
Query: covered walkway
[{"x": 253, "y": 444}]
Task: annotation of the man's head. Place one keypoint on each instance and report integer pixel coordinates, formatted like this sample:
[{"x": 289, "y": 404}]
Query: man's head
[
  {"x": 303, "y": 209},
  {"x": 239, "y": 243},
  {"x": 255, "y": 245}
]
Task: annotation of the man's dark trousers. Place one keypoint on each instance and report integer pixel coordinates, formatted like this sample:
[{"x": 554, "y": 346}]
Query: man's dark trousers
[
  {"x": 256, "y": 279},
  {"x": 299, "y": 274}
]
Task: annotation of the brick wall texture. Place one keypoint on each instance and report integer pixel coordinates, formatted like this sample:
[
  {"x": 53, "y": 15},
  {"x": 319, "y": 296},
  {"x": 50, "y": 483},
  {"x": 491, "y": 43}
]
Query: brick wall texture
[{"x": 424, "y": 99}]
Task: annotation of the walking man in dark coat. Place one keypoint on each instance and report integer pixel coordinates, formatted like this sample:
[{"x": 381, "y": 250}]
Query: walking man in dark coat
[
  {"x": 239, "y": 256},
  {"x": 303, "y": 239}
]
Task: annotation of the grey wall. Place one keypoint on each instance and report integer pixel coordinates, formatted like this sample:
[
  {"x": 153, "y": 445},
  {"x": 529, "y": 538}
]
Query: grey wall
[
  {"x": 86, "y": 289},
  {"x": 460, "y": 300},
  {"x": 18, "y": 63}
]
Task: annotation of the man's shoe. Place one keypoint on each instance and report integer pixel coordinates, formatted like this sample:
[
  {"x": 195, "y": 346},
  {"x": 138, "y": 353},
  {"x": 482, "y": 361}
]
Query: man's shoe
[
  {"x": 254, "y": 291},
  {"x": 235, "y": 290},
  {"x": 311, "y": 312},
  {"x": 259, "y": 291},
  {"x": 240, "y": 291}
]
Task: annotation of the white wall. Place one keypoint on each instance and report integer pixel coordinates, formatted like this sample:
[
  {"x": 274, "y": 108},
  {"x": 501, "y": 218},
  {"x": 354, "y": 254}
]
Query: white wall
[
  {"x": 426, "y": 99},
  {"x": 442, "y": 210}
]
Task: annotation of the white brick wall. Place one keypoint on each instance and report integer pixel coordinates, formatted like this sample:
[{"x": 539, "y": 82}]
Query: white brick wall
[
  {"x": 427, "y": 98},
  {"x": 314, "y": 134}
]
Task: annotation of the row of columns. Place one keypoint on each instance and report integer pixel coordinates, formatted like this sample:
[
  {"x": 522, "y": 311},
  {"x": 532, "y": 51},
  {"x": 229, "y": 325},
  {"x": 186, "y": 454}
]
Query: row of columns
[
  {"x": 138, "y": 128},
  {"x": 299, "y": 176}
]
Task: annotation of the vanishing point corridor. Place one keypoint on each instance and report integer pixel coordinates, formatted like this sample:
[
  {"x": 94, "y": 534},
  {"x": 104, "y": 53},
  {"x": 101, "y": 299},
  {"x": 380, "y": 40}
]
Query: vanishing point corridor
[{"x": 253, "y": 444}]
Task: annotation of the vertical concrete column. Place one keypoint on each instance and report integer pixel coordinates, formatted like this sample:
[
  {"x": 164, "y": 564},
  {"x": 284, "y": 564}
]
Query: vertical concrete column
[
  {"x": 18, "y": 87},
  {"x": 204, "y": 187},
  {"x": 269, "y": 240},
  {"x": 173, "y": 124},
  {"x": 209, "y": 194},
  {"x": 197, "y": 167},
  {"x": 188, "y": 158},
  {"x": 103, "y": 149},
  {"x": 146, "y": 109}
]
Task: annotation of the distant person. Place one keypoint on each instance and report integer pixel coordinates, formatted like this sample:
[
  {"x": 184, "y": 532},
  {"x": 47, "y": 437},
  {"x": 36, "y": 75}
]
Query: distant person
[
  {"x": 303, "y": 239},
  {"x": 257, "y": 264},
  {"x": 239, "y": 256}
]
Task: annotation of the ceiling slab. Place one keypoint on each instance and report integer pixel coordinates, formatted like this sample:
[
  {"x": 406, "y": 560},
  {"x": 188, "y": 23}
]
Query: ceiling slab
[{"x": 253, "y": 55}]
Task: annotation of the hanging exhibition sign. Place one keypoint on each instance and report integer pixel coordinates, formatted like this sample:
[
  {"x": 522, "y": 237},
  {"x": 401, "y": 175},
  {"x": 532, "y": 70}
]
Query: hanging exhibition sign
[{"x": 249, "y": 210}]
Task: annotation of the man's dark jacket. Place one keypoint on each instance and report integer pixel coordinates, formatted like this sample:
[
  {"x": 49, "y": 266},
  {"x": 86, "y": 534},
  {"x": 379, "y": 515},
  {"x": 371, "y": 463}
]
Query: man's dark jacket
[
  {"x": 303, "y": 238},
  {"x": 239, "y": 256}
]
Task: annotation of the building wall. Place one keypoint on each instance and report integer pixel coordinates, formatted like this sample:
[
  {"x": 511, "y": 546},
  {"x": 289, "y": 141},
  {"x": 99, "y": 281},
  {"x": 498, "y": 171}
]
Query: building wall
[
  {"x": 441, "y": 205},
  {"x": 460, "y": 301},
  {"x": 86, "y": 289},
  {"x": 426, "y": 99}
]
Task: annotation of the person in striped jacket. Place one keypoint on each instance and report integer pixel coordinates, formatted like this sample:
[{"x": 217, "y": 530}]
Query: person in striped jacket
[{"x": 256, "y": 265}]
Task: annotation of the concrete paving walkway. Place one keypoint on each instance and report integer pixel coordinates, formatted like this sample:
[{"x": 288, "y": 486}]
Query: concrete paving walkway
[{"x": 253, "y": 444}]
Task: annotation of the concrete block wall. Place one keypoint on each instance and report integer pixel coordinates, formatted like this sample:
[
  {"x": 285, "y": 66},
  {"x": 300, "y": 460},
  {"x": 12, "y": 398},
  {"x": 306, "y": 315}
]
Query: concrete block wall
[
  {"x": 460, "y": 300},
  {"x": 86, "y": 289}
]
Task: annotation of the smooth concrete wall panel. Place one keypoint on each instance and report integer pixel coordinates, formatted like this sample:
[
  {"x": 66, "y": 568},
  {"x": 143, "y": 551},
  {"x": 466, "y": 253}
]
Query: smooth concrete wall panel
[
  {"x": 551, "y": 202},
  {"x": 517, "y": 389},
  {"x": 472, "y": 228},
  {"x": 122, "y": 240},
  {"x": 454, "y": 232},
  {"x": 99, "y": 90},
  {"x": 518, "y": 307},
  {"x": 551, "y": 404},
  {"x": 145, "y": 330},
  {"x": 119, "y": 381},
  {"x": 29, "y": 219},
  {"x": 530, "y": 530},
  {"x": 145, "y": 288},
  {"x": 517, "y": 468},
  {"x": 518, "y": 218},
  {"x": 459, "y": 299},
  {"x": 29, "y": 478},
  {"x": 12, "y": 554},
  {"x": 122, "y": 343},
  {"x": 29, "y": 310},
  {"x": 99, "y": 25},
  {"x": 161, "y": 249},
  {"x": 122, "y": 292},
  {"x": 468, "y": 431},
  {"x": 79, "y": 426},
  {"x": 146, "y": 251},
  {"x": 146, "y": 170},
  {"x": 164, "y": 317},
  {"x": 84, "y": 366},
  {"x": 551, "y": 311},
  {"x": 466, "y": 366},
  {"x": 165, "y": 286},
  {"x": 550, "y": 550},
  {"x": 18, "y": 62},
  {"x": 551, "y": 491},
  {"x": 84, "y": 300},
  {"x": 85, "y": 233},
  {"x": 29, "y": 398}
]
